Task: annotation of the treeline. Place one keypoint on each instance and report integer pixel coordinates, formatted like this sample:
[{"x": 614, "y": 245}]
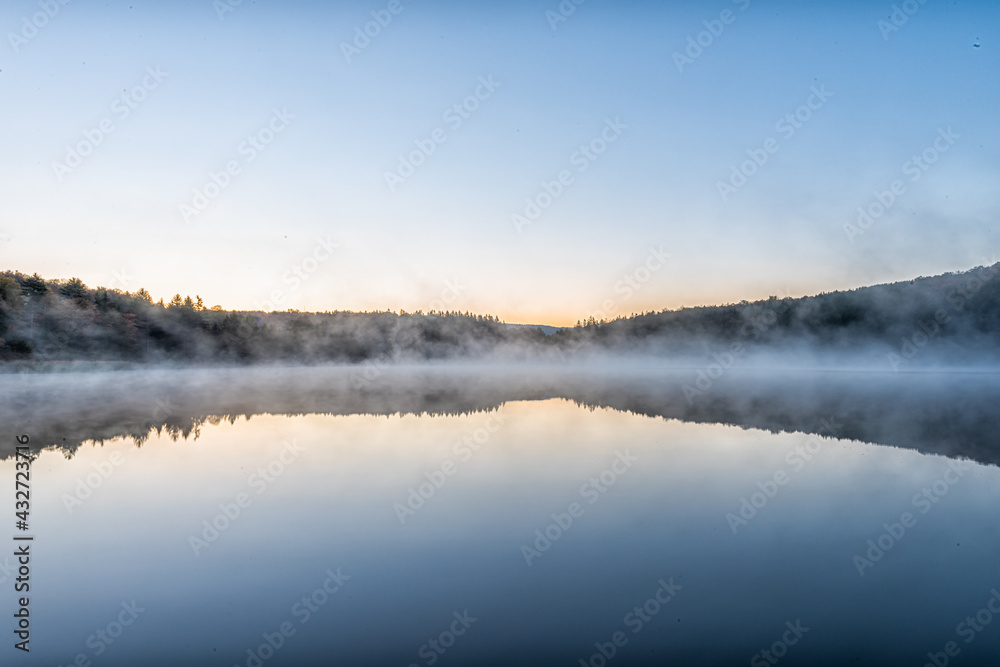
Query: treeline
[
  {"x": 51, "y": 320},
  {"x": 951, "y": 313},
  {"x": 62, "y": 320}
]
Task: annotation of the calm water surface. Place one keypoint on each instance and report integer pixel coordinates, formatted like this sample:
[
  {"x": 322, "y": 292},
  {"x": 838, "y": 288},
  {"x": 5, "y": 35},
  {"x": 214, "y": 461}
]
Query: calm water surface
[{"x": 452, "y": 518}]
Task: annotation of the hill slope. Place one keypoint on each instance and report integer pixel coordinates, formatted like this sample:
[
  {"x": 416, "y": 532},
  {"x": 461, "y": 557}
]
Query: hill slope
[{"x": 956, "y": 315}]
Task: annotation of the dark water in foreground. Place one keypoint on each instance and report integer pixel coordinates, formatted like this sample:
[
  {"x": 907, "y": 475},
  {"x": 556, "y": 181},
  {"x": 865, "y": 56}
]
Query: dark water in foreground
[{"x": 471, "y": 517}]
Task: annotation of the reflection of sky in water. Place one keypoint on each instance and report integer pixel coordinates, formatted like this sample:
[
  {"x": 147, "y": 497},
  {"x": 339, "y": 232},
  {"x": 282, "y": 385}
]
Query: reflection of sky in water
[{"x": 665, "y": 517}]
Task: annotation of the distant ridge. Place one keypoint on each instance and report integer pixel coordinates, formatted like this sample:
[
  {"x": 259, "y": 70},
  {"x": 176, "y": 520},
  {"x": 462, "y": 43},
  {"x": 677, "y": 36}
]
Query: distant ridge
[{"x": 952, "y": 319}]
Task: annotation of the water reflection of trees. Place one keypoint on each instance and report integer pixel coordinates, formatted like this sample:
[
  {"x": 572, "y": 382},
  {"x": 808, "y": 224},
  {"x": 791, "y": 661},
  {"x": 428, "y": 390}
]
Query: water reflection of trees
[{"x": 949, "y": 414}]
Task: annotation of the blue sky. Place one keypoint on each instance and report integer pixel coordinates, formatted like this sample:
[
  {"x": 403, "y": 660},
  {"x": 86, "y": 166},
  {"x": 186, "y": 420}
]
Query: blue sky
[{"x": 311, "y": 223}]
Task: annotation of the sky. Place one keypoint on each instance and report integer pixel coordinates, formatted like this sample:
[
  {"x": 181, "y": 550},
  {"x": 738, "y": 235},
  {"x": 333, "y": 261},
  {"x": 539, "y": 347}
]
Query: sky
[{"x": 543, "y": 162}]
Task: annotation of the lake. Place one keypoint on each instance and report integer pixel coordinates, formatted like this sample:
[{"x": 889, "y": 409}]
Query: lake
[{"x": 622, "y": 515}]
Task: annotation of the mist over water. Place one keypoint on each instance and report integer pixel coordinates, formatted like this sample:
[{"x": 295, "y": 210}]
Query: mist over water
[
  {"x": 948, "y": 321},
  {"x": 546, "y": 504},
  {"x": 946, "y": 412},
  {"x": 463, "y": 334}
]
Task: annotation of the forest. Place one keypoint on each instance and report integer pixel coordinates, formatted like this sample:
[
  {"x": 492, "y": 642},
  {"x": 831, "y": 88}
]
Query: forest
[{"x": 42, "y": 320}]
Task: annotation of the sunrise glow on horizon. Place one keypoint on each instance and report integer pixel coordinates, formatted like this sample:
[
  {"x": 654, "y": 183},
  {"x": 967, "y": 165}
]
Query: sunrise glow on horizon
[{"x": 539, "y": 166}]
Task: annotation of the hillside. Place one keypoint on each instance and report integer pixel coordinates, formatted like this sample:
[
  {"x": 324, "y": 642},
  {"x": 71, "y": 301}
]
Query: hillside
[{"x": 51, "y": 320}]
